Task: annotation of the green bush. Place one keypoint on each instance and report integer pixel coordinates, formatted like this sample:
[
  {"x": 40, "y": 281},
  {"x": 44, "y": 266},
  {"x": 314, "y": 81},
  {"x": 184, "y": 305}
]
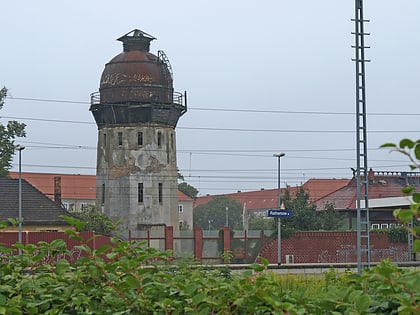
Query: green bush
[
  {"x": 398, "y": 234},
  {"x": 130, "y": 278}
]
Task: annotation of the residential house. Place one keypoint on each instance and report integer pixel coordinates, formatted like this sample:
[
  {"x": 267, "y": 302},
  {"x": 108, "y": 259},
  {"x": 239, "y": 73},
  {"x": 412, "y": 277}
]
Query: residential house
[
  {"x": 39, "y": 213},
  {"x": 76, "y": 191},
  {"x": 384, "y": 193},
  {"x": 256, "y": 203},
  {"x": 185, "y": 211}
]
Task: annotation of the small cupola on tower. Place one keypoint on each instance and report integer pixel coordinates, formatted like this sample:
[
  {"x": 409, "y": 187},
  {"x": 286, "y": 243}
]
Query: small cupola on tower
[{"x": 136, "y": 40}]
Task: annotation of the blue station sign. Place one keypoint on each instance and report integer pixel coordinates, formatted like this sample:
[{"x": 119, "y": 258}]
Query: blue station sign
[{"x": 276, "y": 213}]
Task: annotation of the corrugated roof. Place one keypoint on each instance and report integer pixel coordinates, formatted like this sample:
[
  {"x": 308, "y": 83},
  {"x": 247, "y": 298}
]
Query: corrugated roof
[{"x": 37, "y": 209}]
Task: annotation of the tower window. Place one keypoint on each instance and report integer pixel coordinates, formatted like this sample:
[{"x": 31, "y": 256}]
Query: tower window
[
  {"x": 159, "y": 138},
  {"x": 120, "y": 138},
  {"x": 104, "y": 139},
  {"x": 140, "y": 192},
  {"x": 103, "y": 194},
  {"x": 160, "y": 193},
  {"x": 140, "y": 138}
]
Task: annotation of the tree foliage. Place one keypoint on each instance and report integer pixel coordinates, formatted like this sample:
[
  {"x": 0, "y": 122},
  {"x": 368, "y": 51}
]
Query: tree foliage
[
  {"x": 95, "y": 221},
  {"x": 187, "y": 189},
  {"x": 305, "y": 215},
  {"x": 411, "y": 149},
  {"x": 330, "y": 218},
  {"x": 260, "y": 223},
  {"x": 215, "y": 212},
  {"x": 130, "y": 278},
  {"x": 8, "y": 133}
]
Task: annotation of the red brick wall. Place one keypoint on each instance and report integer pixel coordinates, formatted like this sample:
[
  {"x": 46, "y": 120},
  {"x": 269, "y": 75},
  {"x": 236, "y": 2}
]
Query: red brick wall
[
  {"x": 9, "y": 238},
  {"x": 333, "y": 247}
]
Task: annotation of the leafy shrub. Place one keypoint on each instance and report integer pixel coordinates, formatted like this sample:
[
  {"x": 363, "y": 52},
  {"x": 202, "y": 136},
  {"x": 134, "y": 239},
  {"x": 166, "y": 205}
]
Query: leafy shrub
[
  {"x": 130, "y": 278},
  {"x": 398, "y": 234}
]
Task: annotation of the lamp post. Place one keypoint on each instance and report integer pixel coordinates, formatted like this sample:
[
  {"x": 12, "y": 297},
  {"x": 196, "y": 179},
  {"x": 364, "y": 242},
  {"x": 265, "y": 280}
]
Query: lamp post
[
  {"x": 20, "y": 149},
  {"x": 227, "y": 217},
  {"x": 278, "y": 156}
]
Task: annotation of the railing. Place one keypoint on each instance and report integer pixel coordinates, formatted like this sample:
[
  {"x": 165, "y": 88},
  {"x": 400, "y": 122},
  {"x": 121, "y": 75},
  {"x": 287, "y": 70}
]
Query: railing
[
  {"x": 206, "y": 246},
  {"x": 178, "y": 98}
]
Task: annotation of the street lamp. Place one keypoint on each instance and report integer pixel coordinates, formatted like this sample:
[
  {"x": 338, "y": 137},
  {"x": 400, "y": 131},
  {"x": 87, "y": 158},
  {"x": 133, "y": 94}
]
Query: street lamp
[
  {"x": 278, "y": 156},
  {"x": 227, "y": 217},
  {"x": 20, "y": 149}
]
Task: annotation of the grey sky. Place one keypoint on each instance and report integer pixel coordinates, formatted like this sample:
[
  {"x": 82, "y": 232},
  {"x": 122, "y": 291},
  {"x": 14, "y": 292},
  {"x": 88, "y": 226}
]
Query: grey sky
[{"x": 279, "y": 73}]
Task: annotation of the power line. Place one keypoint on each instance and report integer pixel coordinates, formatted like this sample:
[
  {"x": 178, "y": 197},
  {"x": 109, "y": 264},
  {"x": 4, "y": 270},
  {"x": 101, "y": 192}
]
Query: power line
[
  {"x": 262, "y": 111},
  {"x": 227, "y": 129}
]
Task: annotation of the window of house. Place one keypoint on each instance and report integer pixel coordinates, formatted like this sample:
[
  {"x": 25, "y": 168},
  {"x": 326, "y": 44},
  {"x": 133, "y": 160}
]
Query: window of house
[
  {"x": 384, "y": 225},
  {"x": 375, "y": 226},
  {"x": 66, "y": 205},
  {"x": 159, "y": 138},
  {"x": 83, "y": 205},
  {"x": 120, "y": 138},
  {"x": 140, "y": 138},
  {"x": 140, "y": 193},
  {"x": 180, "y": 208},
  {"x": 160, "y": 193}
]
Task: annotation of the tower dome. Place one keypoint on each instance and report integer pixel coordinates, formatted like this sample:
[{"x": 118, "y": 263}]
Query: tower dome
[
  {"x": 137, "y": 87},
  {"x": 136, "y": 75}
]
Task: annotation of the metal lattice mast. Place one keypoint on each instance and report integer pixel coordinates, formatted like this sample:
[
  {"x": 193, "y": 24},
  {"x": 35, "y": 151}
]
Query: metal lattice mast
[{"x": 363, "y": 240}]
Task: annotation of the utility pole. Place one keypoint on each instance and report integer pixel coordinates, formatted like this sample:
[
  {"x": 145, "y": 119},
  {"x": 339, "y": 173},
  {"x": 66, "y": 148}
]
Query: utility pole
[
  {"x": 361, "y": 174},
  {"x": 278, "y": 156},
  {"x": 20, "y": 149}
]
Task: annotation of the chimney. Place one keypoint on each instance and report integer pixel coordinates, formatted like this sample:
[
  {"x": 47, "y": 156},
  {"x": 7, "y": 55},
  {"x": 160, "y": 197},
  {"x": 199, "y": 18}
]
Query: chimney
[
  {"x": 371, "y": 176},
  {"x": 57, "y": 190}
]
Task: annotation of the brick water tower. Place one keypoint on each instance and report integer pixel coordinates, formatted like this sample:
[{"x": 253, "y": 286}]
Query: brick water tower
[{"x": 136, "y": 111}]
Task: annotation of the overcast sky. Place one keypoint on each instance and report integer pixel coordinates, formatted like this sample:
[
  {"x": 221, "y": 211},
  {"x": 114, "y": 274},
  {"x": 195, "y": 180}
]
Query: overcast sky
[{"x": 262, "y": 77}]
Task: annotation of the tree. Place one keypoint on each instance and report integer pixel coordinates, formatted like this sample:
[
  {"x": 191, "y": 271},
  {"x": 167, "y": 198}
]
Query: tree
[
  {"x": 187, "y": 189},
  {"x": 215, "y": 212},
  {"x": 305, "y": 215},
  {"x": 330, "y": 219},
  {"x": 8, "y": 134},
  {"x": 95, "y": 221},
  {"x": 260, "y": 223}
]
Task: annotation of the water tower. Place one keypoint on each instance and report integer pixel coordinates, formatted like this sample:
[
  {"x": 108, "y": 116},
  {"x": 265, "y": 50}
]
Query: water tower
[{"x": 136, "y": 111}]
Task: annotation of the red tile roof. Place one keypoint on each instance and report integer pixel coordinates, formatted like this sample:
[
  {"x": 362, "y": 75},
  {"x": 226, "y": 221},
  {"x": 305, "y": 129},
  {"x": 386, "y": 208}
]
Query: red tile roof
[
  {"x": 383, "y": 185},
  {"x": 183, "y": 197},
  {"x": 267, "y": 198},
  {"x": 73, "y": 186}
]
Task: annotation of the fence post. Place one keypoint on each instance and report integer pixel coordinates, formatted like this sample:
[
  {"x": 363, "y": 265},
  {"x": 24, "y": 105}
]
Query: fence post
[
  {"x": 169, "y": 237},
  {"x": 226, "y": 238},
  {"x": 198, "y": 243}
]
